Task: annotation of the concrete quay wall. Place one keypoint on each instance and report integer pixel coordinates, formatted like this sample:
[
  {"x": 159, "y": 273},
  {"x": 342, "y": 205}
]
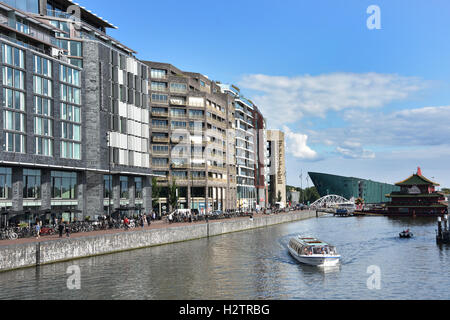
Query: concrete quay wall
[{"x": 41, "y": 253}]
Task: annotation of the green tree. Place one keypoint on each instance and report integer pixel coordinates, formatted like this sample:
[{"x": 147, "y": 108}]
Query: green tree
[
  {"x": 156, "y": 190},
  {"x": 173, "y": 196}
]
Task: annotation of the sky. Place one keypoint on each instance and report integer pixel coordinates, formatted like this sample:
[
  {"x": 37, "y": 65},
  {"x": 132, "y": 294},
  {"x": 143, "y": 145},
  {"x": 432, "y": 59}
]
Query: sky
[{"x": 352, "y": 100}]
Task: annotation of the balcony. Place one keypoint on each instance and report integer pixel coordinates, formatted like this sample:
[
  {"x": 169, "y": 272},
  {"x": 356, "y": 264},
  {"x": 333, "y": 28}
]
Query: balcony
[
  {"x": 160, "y": 152},
  {"x": 162, "y": 179},
  {"x": 159, "y": 128},
  {"x": 160, "y": 139},
  {"x": 178, "y": 102},
  {"x": 160, "y": 114},
  {"x": 160, "y": 166},
  {"x": 180, "y": 166}
]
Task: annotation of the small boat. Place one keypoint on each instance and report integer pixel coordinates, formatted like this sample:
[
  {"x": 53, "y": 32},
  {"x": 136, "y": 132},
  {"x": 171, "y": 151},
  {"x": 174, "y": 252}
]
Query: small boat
[
  {"x": 313, "y": 252},
  {"x": 406, "y": 234}
]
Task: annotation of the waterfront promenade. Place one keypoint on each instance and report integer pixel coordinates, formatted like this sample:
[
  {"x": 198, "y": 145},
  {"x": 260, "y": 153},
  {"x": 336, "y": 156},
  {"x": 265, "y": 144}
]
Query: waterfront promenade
[
  {"x": 32, "y": 252},
  {"x": 157, "y": 224}
]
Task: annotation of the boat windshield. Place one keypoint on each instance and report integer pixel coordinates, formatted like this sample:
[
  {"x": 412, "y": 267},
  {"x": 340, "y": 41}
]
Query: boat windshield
[{"x": 325, "y": 250}]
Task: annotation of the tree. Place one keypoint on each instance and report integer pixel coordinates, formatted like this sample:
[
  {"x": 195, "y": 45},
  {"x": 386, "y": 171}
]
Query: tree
[
  {"x": 156, "y": 190},
  {"x": 173, "y": 195}
]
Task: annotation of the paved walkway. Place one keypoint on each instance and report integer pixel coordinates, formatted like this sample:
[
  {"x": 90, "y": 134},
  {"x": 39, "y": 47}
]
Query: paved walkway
[{"x": 161, "y": 224}]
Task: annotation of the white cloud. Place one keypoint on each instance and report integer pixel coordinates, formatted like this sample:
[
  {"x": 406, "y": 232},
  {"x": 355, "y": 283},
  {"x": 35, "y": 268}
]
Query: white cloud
[
  {"x": 355, "y": 153},
  {"x": 296, "y": 144},
  {"x": 288, "y": 99},
  {"x": 405, "y": 128}
]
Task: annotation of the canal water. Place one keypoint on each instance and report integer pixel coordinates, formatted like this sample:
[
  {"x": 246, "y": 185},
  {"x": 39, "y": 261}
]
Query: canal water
[{"x": 256, "y": 265}]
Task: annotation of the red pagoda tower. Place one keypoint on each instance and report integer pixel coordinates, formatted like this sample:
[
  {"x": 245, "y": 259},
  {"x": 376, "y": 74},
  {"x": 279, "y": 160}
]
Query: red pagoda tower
[{"x": 418, "y": 197}]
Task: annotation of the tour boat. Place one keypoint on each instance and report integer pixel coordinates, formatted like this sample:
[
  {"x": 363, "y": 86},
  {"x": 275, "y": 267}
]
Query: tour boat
[{"x": 313, "y": 252}]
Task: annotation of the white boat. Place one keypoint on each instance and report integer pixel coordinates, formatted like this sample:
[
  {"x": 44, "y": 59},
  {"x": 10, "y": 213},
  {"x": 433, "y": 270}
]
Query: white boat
[{"x": 313, "y": 252}]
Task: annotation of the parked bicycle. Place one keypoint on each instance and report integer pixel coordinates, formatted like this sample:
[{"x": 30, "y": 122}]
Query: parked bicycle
[{"x": 8, "y": 234}]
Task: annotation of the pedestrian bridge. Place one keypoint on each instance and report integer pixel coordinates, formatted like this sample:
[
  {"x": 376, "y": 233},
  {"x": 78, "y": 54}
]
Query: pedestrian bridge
[{"x": 332, "y": 201}]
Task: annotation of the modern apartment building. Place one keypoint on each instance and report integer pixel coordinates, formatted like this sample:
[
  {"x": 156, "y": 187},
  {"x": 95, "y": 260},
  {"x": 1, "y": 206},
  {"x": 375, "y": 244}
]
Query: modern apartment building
[
  {"x": 74, "y": 126},
  {"x": 277, "y": 166},
  {"x": 262, "y": 161},
  {"x": 190, "y": 141},
  {"x": 251, "y": 154}
]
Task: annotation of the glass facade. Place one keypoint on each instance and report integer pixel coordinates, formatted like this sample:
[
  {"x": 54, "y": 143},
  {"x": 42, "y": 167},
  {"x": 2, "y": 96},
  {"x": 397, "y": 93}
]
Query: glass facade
[
  {"x": 5, "y": 183},
  {"x": 24, "y": 5},
  {"x": 64, "y": 185},
  {"x": 31, "y": 184}
]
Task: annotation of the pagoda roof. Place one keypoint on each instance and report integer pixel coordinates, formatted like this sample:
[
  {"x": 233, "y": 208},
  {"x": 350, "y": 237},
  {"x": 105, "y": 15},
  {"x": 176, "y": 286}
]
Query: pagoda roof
[{"x": 417, "y": 180}]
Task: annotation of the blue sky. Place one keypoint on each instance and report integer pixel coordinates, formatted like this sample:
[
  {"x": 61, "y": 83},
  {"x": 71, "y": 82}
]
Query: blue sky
[{"x": 368, "y": 103}]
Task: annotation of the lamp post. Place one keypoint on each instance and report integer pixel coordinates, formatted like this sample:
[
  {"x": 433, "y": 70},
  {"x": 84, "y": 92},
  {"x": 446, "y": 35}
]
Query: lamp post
[
  {"x": 301, "y": 186},
  {"x": 109, "y": 173}
]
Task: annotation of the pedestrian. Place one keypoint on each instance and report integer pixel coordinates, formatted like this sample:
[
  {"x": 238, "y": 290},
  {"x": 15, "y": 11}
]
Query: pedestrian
[
  {"x": 149, "y": 220},
  {"x": 143, "y": 220},
  {"x": 38, "y": 230},
  {"x": 67, "y": 230},
  {"x": 154, "y": 215},
  {"x": 61, "y": 228}
]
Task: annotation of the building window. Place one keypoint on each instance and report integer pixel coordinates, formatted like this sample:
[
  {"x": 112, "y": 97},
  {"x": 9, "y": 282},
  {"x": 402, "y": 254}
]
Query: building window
[
  {"x": 159, "y": 123},
  {"x": 31, "y": 184},
  {"x": 24, "y": 5},
  {"x": 159, "y": 98},
  {"x": 70, "y": 113},
  {"x": 44, "y": 146},
  {"x": 76, "y": 62},
  {"x": 43, "y": 106},
  {"x": 70, "y": 94},
  {"x": 13, "y": 78},
  {"x": 70, "y": 150},
  {"x": 160, "y": 149},
  {"x": 13, "y": 56},
  {"x": 159, "y": 73},
  {"x": 64, "y": 185},
  {"x": 179, "y": 174},
  {"x": 69, "y": 75},
  {"x": 42, "y": 66},
  {"x": 70, "y": 131},
  {"x": 14, "y": 121},
  {"x": 178, "y": 113},
  {"x": 138, "y": 186},
  {"x": 5, "y": 183},
  {"x": 13, "y": 99},
  {"x": 124, "y": 187},
  {"x": 178, "y": 87},
  {"x": 107, "y": 186},
  {"x": 43, "y": 127},
  {"x": 160, "y": 162},
  {"x": 42, "y": 86},
  {"x": 14, "y": 142},
  {"x": 62, "y": 25},
  {"x": 159, "y": 86}
]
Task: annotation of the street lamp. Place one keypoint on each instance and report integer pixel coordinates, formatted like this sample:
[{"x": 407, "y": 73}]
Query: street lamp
[{"x": 108, "y": 135}]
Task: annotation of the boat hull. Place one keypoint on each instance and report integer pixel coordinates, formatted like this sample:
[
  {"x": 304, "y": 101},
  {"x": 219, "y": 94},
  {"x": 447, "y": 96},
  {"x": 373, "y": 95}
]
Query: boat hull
[{"x": 316, "y": 260}]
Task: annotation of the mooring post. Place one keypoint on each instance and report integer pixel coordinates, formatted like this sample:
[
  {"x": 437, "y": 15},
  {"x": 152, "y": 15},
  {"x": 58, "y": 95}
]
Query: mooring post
[
  {"x": 439, "y": 229},
  {"x": 38, "y": 254}
]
